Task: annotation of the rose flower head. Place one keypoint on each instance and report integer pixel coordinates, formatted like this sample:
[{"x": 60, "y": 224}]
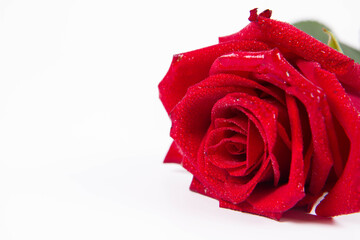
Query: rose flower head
[{"x": 267, "y": 120}]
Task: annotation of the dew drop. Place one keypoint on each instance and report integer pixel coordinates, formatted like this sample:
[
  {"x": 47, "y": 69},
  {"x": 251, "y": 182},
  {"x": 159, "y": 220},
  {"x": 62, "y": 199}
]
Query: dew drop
[{"x": 179, "y": 57}]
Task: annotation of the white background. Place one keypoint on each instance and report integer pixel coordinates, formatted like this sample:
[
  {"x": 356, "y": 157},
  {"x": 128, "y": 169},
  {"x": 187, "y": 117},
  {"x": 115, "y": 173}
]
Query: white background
[{"x": 83, "y": 134}]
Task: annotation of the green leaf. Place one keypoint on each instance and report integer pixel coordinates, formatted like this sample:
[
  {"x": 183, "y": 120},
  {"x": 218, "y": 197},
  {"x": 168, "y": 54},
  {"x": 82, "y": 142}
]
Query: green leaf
[
  {"x": 315, "y": 29},
  {"x": 351, "y": 52}
]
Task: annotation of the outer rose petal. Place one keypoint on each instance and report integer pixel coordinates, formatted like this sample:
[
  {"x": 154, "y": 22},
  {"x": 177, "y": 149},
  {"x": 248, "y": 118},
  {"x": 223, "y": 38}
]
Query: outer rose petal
[
  {"x": 285, "y": 197},
  {"x": 290, "y": 39},
  {"x": 344, "y": 198},
  {"x": 246, "y": 207},
  {"x": 192, "y": 67},
  {"x": 198, "y": 187},
  {"x": 174, "y": 155}
]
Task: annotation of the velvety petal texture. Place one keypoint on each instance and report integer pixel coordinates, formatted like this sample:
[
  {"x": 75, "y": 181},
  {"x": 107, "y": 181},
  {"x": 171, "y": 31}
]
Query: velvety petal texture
[{"x": 267, "y": 120}]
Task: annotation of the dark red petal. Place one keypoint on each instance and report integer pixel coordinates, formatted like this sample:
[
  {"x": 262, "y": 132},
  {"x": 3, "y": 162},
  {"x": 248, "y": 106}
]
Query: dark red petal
[
  {"x": 255, "y": 145},
  {"x": 238, "y": 62},
  {"x": 211, "y": 178},
  {"x": 223, "y": 79},
  {"x": 191, "y": 117},
  {"x": 289, "y": 38},
  {"x": 281, "y": 159},
  {"x": 304, "y": 45},
  {"x": 352, "y": 77},
  {"x": 174, "y": 155},
  {"x": 236, "y": 123},
  {"x": 340, "y": 103},
  {"x": 283, "y": 135},
  {"x": 257, "y": 110},
  {"x": 307, "y": 69},
  {"x": 245, "y": 170},
  {"x": 238, "y": 189},
  {"x": 355, "y": 98},
  {"x": 246, "y": 207},
  {"x": 308, "y": 202},
  {"x": 235, "y": 148},
  {"x": 272, "y": 67},
  {"x": 285, "y": 197},
  {"x": 253, "y": 15},
  {"x": 307, "y": 160},
  {"x": 251, "y": 31},
  {"x": 263, "y": 122},
  {"x": 198, "y": 187},
  {"x": 218, "y": 155},
  {"x": 219, "y": 136},
  {"x": 344, "y": 198},
  {"x": 264, "y": 113},
  {"x": 322, "y": 158},
  {"x": 266, "y": 14},
  {"x": 192, "y": 67}
]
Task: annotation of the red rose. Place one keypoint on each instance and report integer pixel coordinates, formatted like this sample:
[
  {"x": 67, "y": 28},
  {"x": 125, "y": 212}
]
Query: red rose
[{"x": 267, "y": 120}]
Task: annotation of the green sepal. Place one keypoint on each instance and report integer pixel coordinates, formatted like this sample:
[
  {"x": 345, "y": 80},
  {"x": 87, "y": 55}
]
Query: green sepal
[
  {"x": 333, "y": 42},
  {"x": 315, "y": 29}
]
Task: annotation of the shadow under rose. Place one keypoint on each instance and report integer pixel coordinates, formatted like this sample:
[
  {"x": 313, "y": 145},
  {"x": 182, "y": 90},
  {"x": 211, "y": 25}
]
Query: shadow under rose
[{"x": 298, "y": 216}]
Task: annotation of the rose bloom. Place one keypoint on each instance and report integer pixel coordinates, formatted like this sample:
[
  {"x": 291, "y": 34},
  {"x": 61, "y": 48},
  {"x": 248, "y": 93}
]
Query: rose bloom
[{"x": 267, "y": 120}]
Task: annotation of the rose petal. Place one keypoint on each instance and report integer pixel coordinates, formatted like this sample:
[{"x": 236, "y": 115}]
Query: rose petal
[
  {"x": 191, "y": 117},
  {"x": 255, "y": 145},
  {"x": 285, "y": 197},
  {"x": 245, "y": 170},
  {"x": 233, "y": 189},
  {"x": 307, "y": 159},
  {"x": 344, "y": 197},
  {"x": 198, "y": 187},
  {"x": 354, "y": 96},
  {"x": 192, "y": 67},
  {"x": 246, "y": 207},
  {"x": 236, "y": 191},
  {"x": 308, "y": 202},
  {"x": 307, "y": 69},
  {"x": 286, "y": 36},
  {"x": 252, "y": 106},
  {"x": 240, "y": 123},
  {"x": 235, "y": 148},
  {"x": 265, "y": 124},
  {"x": 322, "y": 157},
  {"x": 271, "y": 66},
  {"x": 218, "y": 155},
  {"x": 174, "y": 155},
  {"x": 219, "y": 136},
  {"x": 284, "y": 136}
]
